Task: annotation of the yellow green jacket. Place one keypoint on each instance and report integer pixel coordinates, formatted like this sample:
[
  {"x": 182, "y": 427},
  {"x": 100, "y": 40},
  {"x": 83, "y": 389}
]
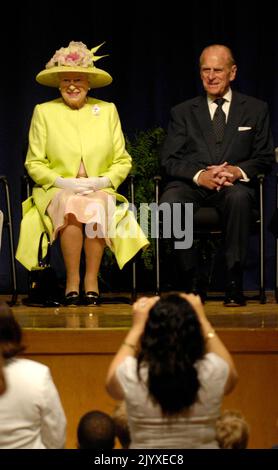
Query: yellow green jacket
[{"x": 59, "y": 138}]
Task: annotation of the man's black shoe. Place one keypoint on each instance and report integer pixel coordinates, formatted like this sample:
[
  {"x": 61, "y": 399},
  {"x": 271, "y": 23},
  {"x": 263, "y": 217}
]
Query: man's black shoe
[{"x": 234, "y": 296}]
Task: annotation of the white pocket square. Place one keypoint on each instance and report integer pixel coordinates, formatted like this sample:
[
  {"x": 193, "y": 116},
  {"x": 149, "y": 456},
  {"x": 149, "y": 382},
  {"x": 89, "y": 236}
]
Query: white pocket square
[{"x": 244, "y": 128}]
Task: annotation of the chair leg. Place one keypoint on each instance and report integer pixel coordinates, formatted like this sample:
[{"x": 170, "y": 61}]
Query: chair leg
[
  {"x": 134, "y": 287},
  {"x": 262, "y": 273},
  {"x": 276, "y": 270},
  {"x": 262, "y": 246},
  {"x": 134, "y": 280},
  {"x": 157, "y": 266},
  {"x": 276, "y": 244},
  {"x": 9, "y": 225},
  {"x": 157, "y": 237}
]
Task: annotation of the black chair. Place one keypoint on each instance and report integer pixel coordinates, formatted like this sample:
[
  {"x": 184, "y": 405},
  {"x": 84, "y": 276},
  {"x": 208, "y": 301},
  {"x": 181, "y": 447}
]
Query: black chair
[
  {"x": 207, "y": 226},
  {"x": 27, "y": 184},
  {"x": 1, "y": 226},
  {"x": 8, "y": 225}
]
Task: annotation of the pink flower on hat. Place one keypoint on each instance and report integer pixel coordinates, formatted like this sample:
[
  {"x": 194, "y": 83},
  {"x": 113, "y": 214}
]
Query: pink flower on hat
[{"x": 75, "y": 55}]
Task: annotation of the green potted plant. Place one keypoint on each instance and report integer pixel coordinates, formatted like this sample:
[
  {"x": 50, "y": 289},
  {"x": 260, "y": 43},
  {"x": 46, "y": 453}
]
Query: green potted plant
[{"x": 144, "y": 149}]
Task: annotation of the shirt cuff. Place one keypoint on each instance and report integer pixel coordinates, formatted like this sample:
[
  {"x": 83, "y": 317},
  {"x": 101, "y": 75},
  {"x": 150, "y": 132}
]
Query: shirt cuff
[
  {"x": 196, "y": 177},
  {"x": 244, "y": 178}
]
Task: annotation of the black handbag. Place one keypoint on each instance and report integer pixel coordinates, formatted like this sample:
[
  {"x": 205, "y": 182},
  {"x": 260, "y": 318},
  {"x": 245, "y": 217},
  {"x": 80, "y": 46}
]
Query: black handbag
[{"x": 43, "y": 283}]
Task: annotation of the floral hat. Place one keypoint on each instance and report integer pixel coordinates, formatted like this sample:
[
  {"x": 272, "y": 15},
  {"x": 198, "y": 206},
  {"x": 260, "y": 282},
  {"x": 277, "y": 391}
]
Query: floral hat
[{"x": 74, "y": 58}]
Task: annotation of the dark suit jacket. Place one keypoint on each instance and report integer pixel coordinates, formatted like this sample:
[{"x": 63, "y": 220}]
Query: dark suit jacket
[{"x": 190, "y": 143}]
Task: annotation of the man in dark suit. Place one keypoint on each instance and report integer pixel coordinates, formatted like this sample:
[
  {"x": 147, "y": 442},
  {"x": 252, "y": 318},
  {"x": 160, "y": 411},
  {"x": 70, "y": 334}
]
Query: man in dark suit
[{"x": 215, "y": 146}]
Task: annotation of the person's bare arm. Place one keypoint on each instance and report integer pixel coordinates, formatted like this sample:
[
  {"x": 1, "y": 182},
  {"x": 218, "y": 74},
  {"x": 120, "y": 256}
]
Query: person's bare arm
[
  {"x": 213, "y": 342},
  {"x": 141, "y": 310}
]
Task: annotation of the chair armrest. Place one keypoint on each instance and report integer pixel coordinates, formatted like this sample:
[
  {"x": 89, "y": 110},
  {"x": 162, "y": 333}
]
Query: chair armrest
[
  {"x": 130, "y": 180},
  {"x": 157, "y": 180},
  {"x": 261, "y": 178},
  {"x": 3, "y": 179}
]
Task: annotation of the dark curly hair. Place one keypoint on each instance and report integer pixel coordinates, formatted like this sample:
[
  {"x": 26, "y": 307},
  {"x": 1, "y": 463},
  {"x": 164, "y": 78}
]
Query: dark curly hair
[
  {"x": 10, "y": 333},
  {"x": 170, "y": 346},
  {"x": 96, "y": 430}
]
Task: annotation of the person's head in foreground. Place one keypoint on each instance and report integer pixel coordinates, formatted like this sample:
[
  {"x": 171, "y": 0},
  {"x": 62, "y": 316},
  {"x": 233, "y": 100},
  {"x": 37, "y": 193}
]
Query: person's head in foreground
[
  {"x": 96, "y": 430},
  {"x": 171, "y": 344},
  {"x": 10, "y": 333},
  {"x": 172, "y": 370},
  {"x": 232, "y": 430}
]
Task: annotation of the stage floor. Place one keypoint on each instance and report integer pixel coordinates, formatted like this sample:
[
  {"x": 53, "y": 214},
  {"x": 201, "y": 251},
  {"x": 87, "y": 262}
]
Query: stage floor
[{"x": 119, "y": 315}]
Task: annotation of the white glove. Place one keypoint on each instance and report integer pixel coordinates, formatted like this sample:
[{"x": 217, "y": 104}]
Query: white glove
[
  {"x": 98, "y": 182},
  {"x": 78, "y": 185}
]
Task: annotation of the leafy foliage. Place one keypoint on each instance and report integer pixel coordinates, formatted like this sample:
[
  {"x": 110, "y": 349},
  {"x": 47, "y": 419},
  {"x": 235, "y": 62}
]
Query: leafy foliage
[{"x": 144, "y": 149}]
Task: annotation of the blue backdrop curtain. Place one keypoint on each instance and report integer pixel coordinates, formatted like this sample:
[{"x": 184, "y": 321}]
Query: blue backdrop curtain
[{"x": 153, "y": 57}]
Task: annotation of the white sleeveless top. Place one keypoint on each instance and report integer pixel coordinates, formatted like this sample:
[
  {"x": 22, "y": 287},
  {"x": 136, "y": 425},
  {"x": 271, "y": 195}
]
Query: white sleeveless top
[{"x": 194, "y": 428}]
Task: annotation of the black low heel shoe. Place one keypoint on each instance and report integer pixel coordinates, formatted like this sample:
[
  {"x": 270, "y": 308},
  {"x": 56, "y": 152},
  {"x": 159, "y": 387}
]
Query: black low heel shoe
[
  {"x": 91, "y": 298},
  {"x": 72, "y": 299}
]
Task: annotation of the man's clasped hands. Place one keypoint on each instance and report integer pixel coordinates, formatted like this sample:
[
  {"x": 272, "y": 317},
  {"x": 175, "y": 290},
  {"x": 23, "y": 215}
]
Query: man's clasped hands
[{"x": 218, "y": 176}]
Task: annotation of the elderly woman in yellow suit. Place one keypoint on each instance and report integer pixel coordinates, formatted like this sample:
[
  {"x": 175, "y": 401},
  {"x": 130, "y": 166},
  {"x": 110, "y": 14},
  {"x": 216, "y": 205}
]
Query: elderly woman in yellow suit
[{"x": 77, "y": 159}]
